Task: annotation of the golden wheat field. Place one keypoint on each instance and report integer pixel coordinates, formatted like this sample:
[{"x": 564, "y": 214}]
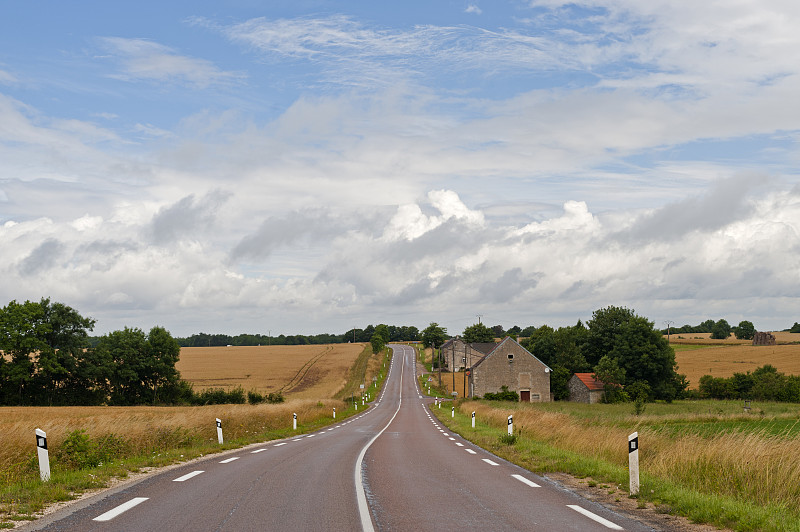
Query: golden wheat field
[
  {"x": 725, "y": 360},
  {"x": 297, "y": 371}
]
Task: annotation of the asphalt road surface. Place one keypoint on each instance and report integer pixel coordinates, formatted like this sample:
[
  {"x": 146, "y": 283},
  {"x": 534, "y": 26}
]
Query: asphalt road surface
[{"x": 392, "y": 467}]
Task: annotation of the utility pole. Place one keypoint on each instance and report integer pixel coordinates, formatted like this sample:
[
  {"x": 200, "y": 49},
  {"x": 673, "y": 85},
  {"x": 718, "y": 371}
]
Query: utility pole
[
  {"x": 668, "y": 323},
  {"x": 438, "y": 363},
  {"x": 453, "y": 369}
]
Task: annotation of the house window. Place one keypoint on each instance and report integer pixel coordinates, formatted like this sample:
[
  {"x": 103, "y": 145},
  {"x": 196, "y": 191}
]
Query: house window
[
  {"x": 536, "y": 397},
  {"x": 510, "y": 357}
]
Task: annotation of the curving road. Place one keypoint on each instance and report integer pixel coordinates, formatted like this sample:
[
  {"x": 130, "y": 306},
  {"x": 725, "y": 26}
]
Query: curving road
[{"x": 393, "y": 467}]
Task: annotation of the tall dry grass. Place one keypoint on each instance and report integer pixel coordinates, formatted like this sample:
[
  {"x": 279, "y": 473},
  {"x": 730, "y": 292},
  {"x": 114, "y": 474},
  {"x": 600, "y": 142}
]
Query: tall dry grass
[
  {"x": 145, "y": 429},
  {"x": 758, "y": 467}
]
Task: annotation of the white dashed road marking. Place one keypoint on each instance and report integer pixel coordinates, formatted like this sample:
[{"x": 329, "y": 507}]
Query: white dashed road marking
[
  {"x": 489, "y": 461},
  {"x": 282, "y": 443},
  {"x": 187, "y": 476},
  {"x": 605, "y": 522},
  {"x": 257, "y": 451},
  {"x": 111, "y": 514},
  {"x": 229, "y": 460},
  {"x": 526, "y": 481}
]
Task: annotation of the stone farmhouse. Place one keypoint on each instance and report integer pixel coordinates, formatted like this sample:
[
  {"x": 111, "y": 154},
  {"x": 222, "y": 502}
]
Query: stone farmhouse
[
  {"x": 510, "y": 364},
  {"x": 584, "y": 388},
  {"x": 457, "y": 354}
]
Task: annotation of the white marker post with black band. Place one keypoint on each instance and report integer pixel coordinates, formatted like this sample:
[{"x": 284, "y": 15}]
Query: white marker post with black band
[
  {"x": 473, "y": 419},
  {"x": 294, "y": 421},
  {"x": 219, "y": 430},
  {"x": 44, "y": 455},
  {"x": 633, "y": 462},
  {"x": 452, "y": 411},
  {"x": 510, "y": 425},
  {"x": 334, "y": 412}
]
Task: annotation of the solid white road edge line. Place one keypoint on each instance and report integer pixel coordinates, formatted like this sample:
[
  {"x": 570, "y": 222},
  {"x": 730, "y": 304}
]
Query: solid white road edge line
[
  {"x": 361, "y": 494},
  {"x": 526, "y": 481},
  {"x": 111, "y": 514},
  {"x": 187, "y": 476},
  {"x": 605, "y": 522}
]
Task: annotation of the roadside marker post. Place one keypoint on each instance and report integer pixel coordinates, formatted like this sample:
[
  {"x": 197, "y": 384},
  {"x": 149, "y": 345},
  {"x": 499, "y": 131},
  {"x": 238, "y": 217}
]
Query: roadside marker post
[
  {"x": 219, "y": 431},
  {"x": 44, "y": 455},
  {"x": 334, "y": 412},
  {"x": 473, "y": 419},
  {"x": 510, "y": 425},
  {"x": 294, "y": 421},
  {"x": 452, "y": 411},
  {"x": 633, "y": 462}
]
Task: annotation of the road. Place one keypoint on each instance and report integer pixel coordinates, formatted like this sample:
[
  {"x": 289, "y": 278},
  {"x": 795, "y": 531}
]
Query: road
[{"x": 393, "y": 467}]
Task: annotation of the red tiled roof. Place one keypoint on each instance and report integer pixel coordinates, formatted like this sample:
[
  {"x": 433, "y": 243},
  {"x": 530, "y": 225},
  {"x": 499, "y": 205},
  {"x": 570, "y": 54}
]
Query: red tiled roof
[{"x": 590, "y": 382}]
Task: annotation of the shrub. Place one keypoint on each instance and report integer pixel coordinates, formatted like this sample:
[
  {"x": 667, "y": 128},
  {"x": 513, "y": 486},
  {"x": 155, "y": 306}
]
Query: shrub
[
  {"x": 503, "y": 395},
  {"x": 254, "y": 397}
]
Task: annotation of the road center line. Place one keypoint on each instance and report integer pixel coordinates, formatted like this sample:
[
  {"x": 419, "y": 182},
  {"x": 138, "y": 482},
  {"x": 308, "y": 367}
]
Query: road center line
[
  {"x": 605, "y": 522},
  {"x": 111, "y": 514},
  {"x": 361, "y": 494},
  {"x": 187, "y": 476}
]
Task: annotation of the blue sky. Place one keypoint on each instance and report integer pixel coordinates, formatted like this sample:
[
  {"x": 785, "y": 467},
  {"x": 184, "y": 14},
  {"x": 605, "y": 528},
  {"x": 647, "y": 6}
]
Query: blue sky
[{"x": 313, "y": 166}]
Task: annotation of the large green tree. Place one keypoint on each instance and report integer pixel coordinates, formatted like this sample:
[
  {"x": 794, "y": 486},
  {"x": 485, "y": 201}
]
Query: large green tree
[
  {"x": 433, "y": 335},
  {"x": 478, "y": 333},
  {"x": 144, "y": 365},
  {"x": 636, "y": 347},
  {"x": 745, "y": 330},
  {"x": 22, "y": 332},
  {"x": 721, "y": 330}
]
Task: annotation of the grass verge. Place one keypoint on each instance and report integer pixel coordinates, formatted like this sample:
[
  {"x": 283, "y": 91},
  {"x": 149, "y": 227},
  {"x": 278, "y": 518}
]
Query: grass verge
[{"x": 677, "y": 496}]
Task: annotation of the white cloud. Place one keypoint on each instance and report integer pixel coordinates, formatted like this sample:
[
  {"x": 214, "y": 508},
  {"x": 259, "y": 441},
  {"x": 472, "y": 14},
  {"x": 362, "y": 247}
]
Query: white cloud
[
  {"x": 472, "y": 8},
  {"x": 7, "y": 78},
  {"x": 144, "y": 60}
]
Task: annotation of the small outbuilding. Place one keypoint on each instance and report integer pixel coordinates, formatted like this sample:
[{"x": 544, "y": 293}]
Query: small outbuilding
[
  {"x": 584, "y": 388},
  {"x": 509, "y": 364}
]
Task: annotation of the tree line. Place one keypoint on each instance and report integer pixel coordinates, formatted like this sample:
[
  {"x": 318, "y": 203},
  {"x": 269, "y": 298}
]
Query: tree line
[
  {"x": 764, "y": 384},
  {"x": 393, "y": 333},
  {"x": 47, "y": 360},
  {"x": 720, "y": 329}
]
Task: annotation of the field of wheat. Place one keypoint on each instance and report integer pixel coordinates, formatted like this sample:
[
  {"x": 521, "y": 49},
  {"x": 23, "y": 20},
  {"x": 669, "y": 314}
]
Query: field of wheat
[
  {"x": 302, "y": 371},
  {"x": 725, "y": 360}
]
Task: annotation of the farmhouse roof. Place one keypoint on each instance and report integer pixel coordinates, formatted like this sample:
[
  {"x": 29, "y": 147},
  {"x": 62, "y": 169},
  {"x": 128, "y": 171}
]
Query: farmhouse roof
[
  {"x": 507, "y": 339},
  {"x": 590, "y": 382},
  {"x": 485, "y": 348}
]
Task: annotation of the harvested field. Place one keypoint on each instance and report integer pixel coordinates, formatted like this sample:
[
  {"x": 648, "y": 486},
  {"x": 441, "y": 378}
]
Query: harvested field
[
  {"x": 307, "y": 371},
  {"x": 705, "y": 339},
  {"x": 725, "y": 360}
]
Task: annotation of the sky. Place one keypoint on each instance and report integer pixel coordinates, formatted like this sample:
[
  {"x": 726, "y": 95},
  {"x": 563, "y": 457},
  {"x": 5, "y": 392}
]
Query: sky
[{"x": 300, "y": 167}]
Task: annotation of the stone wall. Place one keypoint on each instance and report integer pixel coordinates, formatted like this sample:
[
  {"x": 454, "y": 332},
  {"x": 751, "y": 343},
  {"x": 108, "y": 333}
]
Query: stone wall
[
  {"x": 763, "y": 338},
  {"x": 511, "y": 365}
]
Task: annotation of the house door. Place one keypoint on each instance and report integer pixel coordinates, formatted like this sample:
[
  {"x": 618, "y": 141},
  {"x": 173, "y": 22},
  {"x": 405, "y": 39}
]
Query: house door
[{"x": 525, "y": 396}]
